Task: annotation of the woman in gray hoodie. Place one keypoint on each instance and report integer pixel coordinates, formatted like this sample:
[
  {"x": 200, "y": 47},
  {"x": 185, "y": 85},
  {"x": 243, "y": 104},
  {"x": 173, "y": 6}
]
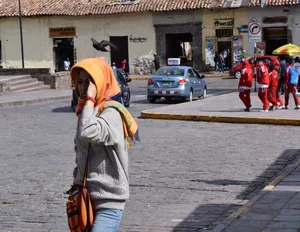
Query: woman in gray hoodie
[{"x": 103, "y": 135}]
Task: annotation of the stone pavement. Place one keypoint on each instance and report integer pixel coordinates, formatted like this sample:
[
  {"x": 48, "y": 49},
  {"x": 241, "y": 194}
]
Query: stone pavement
[
  {"x": 276, "y": 208},
  {"x": 26, "y": 98},
  {"x": 225, "y": 108}
]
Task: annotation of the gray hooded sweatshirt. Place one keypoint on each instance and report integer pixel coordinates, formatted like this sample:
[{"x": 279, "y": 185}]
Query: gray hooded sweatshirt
[{"x": 107, "y": 176}]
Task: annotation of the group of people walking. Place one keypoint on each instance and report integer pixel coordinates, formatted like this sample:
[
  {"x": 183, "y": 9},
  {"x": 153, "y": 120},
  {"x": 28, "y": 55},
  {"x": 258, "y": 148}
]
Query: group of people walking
[{"x": 268, "y": 84}]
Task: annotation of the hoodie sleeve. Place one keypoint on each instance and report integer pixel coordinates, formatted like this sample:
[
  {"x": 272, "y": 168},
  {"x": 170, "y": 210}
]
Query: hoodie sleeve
[{"x": 106, "y": 129}]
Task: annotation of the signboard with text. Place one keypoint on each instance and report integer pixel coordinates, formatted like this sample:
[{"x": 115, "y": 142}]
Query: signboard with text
[
  {"x": 62, "y": 32},
  {"x": 254, "y": 31}
]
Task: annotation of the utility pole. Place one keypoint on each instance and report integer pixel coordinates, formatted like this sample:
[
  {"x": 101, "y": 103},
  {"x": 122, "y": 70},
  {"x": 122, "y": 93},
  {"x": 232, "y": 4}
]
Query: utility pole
[{"x": 21, "y": 33}]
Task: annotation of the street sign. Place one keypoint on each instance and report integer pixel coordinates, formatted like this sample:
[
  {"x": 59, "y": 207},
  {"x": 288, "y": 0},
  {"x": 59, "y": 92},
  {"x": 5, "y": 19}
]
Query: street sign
[{"x": 254, "y": 32}]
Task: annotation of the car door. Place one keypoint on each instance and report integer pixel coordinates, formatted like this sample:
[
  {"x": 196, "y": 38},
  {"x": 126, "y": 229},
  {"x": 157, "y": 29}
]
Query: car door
[
  {"x": 193, "y": 81},
  {"x": 200, "y": 83}
]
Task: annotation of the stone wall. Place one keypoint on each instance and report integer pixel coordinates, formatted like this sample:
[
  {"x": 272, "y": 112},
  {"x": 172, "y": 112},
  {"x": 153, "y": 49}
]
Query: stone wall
[{"x": 61, "y": 80}]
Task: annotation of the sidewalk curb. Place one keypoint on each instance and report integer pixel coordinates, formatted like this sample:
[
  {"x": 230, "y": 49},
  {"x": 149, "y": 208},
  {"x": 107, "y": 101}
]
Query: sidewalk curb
[
  {"x": 226, "y": 119},
  {"x": 238, "y": 213},
  {"x": 33, "y": 101}
]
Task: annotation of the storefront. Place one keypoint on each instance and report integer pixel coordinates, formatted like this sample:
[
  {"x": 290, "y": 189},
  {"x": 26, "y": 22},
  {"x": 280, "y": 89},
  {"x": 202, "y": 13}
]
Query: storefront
[
  {"x": 63, "y": 47},
  {"x": 223, "y": 35}
]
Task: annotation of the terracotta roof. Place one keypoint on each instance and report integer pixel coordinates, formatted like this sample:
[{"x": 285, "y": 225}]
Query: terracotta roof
[
  {"x": 97, "y": 7},
  {"x": 274, "y": 2}
]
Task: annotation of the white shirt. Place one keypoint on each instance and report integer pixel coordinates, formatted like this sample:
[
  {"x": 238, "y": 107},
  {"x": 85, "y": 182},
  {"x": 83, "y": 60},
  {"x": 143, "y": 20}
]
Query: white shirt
[{"x": 66, "y": 65}]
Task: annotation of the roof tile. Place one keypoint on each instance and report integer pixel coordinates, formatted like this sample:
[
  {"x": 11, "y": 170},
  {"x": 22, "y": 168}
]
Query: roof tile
[{"x": 102, "y": 7}]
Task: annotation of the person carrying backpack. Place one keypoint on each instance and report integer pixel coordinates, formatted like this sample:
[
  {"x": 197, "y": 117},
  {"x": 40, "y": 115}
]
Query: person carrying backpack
[{"x": 291, "y": 83}]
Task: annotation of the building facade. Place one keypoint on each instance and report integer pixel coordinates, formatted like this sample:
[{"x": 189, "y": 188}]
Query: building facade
[
  {"x": 222, "y": 31},
  {"x": 280, "y": 25},
  {"x": 49, "y": 40},
  {"x": 193, "y": 31}
]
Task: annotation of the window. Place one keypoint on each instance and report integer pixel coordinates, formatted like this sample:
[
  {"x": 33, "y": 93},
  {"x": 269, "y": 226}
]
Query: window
[
  {"x": 120, "y": 78},
  {"x": 191, "y": 73},
  {"x": 196, "y": 73},
  {"x": 224, "y": 32},
  {"x": 170, "y": 71}
]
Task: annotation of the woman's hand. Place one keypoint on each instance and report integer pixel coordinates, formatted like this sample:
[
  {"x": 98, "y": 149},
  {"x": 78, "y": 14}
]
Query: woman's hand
[{"x": 92, "y": 90}]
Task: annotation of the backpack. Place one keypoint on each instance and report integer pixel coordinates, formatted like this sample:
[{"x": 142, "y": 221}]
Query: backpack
[{"x": 294, "y": 76}]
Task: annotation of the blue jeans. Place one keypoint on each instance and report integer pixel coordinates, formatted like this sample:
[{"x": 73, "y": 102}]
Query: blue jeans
[{"x": 107, "y": 220}]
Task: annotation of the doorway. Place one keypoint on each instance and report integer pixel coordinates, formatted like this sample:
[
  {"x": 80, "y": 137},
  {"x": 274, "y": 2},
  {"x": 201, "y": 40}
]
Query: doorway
[
  {"x": 118, "y": 56},
  {"x": 63, "y": 48},
  {"x": 180, "y": 46},
  {"x": 274, "y": 38},
  {"x": 224, "y": 44}
]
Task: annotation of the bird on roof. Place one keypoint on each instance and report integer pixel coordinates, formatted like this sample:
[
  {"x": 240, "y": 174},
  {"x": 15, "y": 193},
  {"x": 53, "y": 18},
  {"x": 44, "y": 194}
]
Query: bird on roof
[{"x": 101, "y": 46}]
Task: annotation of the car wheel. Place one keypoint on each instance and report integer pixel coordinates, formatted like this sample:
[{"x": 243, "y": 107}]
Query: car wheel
[
  {"x": 127, "y": 104},
  {"x": 152, "y": 100},
  {"x": 238, "y": 74}
]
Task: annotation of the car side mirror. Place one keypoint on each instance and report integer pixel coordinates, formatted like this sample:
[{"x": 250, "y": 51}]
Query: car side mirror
[
  {"x": 128, "y": 79},
  {"x": 202, "y": 77}
]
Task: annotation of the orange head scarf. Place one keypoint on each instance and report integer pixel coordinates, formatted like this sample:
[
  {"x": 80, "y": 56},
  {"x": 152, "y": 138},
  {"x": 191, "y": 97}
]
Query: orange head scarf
[
  {"x": 103, "y": 77},
  {"x": 107, "y": 87}
]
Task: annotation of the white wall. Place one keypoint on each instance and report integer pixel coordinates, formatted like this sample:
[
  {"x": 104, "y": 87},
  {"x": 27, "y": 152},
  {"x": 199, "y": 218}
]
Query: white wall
[{"x": 38, "y": 47}]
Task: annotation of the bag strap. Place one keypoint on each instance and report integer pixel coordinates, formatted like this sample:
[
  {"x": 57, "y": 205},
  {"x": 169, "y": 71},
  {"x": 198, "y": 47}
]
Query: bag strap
[{"x": 86, "y": 166}]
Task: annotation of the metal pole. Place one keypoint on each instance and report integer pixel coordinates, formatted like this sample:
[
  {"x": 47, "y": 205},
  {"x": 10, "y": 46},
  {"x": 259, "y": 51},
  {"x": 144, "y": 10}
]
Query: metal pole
[
  {"x": 21, "y": 34},
  {"x": 255, "y": 68}
]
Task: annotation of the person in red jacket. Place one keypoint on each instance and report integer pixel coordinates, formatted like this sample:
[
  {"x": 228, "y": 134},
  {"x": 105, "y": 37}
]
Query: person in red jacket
[
  {"x": 263, "y": 84},
  {"x": 274, "y": 97},
  {"x": 289, "y": 88},
  {"x": 245, "y": 85}
]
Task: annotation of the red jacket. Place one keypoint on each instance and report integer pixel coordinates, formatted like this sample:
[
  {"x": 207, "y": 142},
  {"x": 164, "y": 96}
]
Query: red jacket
[
  {"x": 247, "y": 75},
  {"x": 273, "y": 79},
  {"x": 263, "y": 75}
]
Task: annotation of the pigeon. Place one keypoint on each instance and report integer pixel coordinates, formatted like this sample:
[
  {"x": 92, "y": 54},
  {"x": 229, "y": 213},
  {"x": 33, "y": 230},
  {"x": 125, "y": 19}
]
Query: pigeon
[{"x": 100, "y": 46}]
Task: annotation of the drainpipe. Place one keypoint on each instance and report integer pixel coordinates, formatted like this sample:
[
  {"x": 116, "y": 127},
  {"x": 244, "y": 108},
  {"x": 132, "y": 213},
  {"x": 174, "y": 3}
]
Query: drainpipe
[{"x": 21, "y": 33}]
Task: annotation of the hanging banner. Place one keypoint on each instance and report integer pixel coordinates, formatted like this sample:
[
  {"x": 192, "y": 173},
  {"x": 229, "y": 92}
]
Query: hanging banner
[{"x": 210, "y": 49}]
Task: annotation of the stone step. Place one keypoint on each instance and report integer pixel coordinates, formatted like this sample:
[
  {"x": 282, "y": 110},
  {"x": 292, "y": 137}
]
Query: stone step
[
  {"x": 42, "y": 87},
  {"x": 26, "y": 86},
  {"x": 12, "y": 79},
  {"x": 22, "y": 82}
]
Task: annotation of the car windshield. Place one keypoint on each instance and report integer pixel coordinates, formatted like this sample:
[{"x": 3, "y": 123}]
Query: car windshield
[{"x": 170, "y": 71}]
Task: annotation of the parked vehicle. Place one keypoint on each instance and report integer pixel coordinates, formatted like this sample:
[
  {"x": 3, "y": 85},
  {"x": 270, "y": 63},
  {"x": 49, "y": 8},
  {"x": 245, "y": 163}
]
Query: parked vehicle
[
  {"x": 176, "y": 81},
  {"x": 236, "y": 71},
  {"x": 123, "y": 97}
]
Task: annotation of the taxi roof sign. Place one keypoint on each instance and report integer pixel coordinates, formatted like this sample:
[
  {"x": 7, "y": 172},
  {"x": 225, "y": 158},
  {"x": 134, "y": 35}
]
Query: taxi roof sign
[{"x": 173, "y": 61}]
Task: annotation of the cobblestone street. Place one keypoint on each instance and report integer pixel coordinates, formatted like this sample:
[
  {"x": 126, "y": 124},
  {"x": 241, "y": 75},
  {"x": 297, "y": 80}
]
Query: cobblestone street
[{"x": 185, "y": 176}]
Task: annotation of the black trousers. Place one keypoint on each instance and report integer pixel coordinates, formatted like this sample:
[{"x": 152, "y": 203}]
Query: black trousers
[{"x": 281, "y": 85}]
